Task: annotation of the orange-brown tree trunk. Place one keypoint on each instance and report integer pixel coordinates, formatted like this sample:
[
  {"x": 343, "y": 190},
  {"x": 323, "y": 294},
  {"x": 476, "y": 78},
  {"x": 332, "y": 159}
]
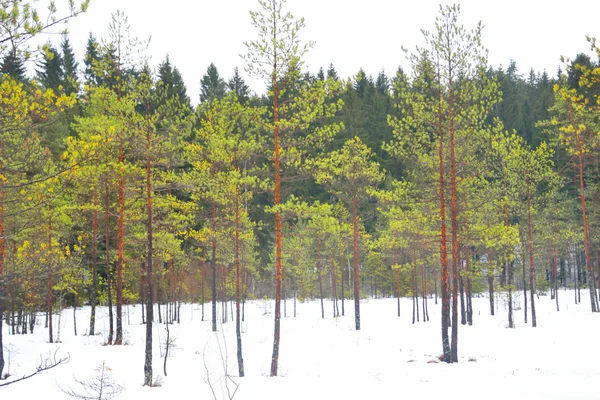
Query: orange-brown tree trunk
[
  {"x": 445, "y": 286},
  {"x": 454, "y": 217},
  {"x": 586, "y": 235},
  {"x": 278, "y": 245}
]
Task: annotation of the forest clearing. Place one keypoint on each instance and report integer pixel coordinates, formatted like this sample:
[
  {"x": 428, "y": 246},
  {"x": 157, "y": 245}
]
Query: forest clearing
[
  {"x": 324, "y": 236},
  {"x": 326, "y": 358}
]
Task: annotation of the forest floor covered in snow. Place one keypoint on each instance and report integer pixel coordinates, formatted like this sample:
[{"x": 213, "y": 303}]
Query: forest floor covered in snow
[{"x": 326, "y": 358}]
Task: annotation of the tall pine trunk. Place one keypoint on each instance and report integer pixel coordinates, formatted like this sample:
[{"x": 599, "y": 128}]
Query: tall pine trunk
[
  {"x": 586, "y": 236},
  {"x": 107, "y": 256},
  {"x": 238, "y": 323},
  {"x": 509, "y": 267},
  {"x": 355, "y": 256},
  {"x": 2, "y": 254},
  {"x": 120, "y": 238},
  {"x": 50, "y": 280},
  {"x": 213, "y": 262},
  {"x": 278, "y": 244},
  {"x": 445, "y": 286},
  {"x": 94, "y": 271},
  {"x": 149, "y": 260},
  {"x": 454, "y": 217},
  {"x": 531, "y": 265}
]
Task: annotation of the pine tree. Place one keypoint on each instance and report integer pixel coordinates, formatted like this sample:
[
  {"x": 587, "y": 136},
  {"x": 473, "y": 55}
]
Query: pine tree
[
  {"x": 275, "y": 56},
  {"x": 350, "y": 174}
]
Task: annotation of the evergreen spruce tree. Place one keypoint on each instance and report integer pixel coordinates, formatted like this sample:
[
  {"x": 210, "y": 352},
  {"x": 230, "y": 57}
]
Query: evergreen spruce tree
[
  {"x": 13, "y": 65},
  {"x": 171, "y": 81},
  {"x": 212, "y": 86},
  {"x": 237, "y": 85},
  {"x": 91, "y": 58},
  {"x": 70, "y": 67},
  {"x": 50, "y": 71}
]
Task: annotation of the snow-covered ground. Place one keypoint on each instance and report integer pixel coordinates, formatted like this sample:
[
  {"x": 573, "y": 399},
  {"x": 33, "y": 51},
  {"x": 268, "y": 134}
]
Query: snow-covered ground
[{"x": 326, "y": 358}]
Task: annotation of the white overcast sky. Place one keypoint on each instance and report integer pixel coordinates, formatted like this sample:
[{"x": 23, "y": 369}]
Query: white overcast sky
[{"x": 348, "y": 33}]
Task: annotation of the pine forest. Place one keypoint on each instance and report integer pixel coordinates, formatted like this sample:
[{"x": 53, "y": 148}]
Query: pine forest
[{"x": 154, "y": 245}]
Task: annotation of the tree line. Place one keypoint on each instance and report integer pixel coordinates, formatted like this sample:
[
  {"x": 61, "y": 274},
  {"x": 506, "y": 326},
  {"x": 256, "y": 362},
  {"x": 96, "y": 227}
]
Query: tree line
[{"x": 448, "y": 180}]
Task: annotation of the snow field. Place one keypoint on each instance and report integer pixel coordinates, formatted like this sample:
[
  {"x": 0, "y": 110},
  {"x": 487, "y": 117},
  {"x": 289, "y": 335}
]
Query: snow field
[{"x": 326, "y": 358}]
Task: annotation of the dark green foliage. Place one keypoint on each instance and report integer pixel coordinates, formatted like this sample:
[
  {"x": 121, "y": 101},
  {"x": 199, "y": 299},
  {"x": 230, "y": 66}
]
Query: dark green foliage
[
  {"x": 91, "y": 58},
  {"x": 212, "y": 86},
  {"x": 171, "y": 81},
  {"x": 237, "y": 85},
  {"x": 50, "y": 72},
  {"x": 70, "y": 67},
  {"x": 332, "y": 73},
  {"x": 13, "y": 65},
  {"x": 524, "y": 102}
]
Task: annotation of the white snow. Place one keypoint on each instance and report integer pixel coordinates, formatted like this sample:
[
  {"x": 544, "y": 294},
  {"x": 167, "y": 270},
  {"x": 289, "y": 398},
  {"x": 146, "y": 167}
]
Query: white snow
[{"x": 327, "y": 359}]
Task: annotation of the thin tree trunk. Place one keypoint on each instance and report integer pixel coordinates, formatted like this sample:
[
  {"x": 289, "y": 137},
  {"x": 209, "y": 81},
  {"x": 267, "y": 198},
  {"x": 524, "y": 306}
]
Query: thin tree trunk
[
  {"x": 107, "y": 256},
  {"x": 397, "y": 282},
  {"x": 463, "y": 308},
  {"x": 343, "y": 293},
  {"x": 443, "y": 242},
  {"x": 238, "y": 323},
  {"x": 586, "y": 236},
  {"x": 320, "y": 275},
  {"x": 202, "y": 288},
  {"x": 454, "y": 218},
  {"x": 491, "y": 290},
  {"x": 531, "y": 265},
  {"x": 355, "y": 259},
  {"x": 509, "y": 267},
  {"x": 120, "y": 256},
  {"x": 2, "y": 255},
  {"x": 336, "y": 311},
  {"x": 468, "y": 287},
  {"x": 158, "y": 295},
  {"x": 50, "y": 280},
  {"x": 213, "y": 262},
  {"x": 435, "y": 288},
  {"x": 149, "y": 261},
  {"x": 524, "y": 281},
  {"x": 278, "y": 244},
  {"x": 424, "y": 293},
  {"x": 556, "y": 265},
  {"x": 143, "y": 289},
  {"x": 94, "y": 271}
]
